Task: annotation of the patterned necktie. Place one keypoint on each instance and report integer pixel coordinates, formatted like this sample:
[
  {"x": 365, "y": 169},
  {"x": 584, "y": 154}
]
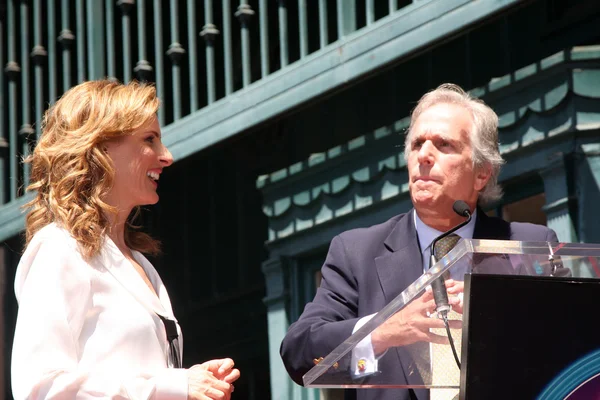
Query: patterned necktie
[
  {"x": 444, "y": 245},
  {"x": 444, "y": 369}
]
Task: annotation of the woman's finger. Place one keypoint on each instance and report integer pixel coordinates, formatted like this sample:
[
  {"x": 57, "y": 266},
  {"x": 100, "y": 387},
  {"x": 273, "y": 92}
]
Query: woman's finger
[
  {"x": 226, "y": 365},
  {"x": 232, "y": 376}
]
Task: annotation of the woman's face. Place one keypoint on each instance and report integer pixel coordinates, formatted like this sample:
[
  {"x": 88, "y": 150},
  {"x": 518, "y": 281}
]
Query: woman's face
[{"x": 138, "y": 159}]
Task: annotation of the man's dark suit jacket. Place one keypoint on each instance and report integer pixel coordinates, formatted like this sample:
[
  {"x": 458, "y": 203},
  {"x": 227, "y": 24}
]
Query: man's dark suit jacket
[{"x": 365, "y": 269}]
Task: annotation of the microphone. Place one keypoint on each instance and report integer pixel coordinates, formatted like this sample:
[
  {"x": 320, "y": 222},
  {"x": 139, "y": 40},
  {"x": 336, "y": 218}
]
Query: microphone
[{"x": 440, "y": 294}]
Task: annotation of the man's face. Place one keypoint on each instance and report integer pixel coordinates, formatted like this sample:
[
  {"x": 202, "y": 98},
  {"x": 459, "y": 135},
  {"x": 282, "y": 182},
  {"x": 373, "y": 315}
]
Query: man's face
[{"x": 440, "y": 166}]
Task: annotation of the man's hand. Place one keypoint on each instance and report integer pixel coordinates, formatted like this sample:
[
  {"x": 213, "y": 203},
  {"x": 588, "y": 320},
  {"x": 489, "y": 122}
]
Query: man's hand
[
  {"x": 455, "y": 291},
  {"x": 413, "y": 323}
]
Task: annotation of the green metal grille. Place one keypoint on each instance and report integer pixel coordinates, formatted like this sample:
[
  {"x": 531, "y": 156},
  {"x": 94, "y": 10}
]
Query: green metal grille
[{"x": 47, "y": 46}]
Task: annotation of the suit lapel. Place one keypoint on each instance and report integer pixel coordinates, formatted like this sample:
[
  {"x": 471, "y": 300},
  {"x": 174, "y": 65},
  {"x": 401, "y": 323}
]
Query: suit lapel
[
  {"x": 403, "y": 264},
  {"x": 396, "y": 270},
  {"x": 122, "y": 270}
]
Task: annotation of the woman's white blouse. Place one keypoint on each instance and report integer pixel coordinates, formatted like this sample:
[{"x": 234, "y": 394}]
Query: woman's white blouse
[{"x": 89, "y": 330}]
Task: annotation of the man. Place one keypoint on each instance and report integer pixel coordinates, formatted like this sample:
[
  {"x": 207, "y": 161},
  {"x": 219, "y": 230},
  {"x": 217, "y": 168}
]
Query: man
[{"x": 452, "y": 154}]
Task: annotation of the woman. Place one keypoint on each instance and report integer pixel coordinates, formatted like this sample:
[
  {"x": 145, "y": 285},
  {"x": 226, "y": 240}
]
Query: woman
[{"x": 95, "y": 320}]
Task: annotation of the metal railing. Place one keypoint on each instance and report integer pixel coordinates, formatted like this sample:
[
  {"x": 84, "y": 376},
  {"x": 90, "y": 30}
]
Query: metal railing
[{"x": 47, "y": 46}]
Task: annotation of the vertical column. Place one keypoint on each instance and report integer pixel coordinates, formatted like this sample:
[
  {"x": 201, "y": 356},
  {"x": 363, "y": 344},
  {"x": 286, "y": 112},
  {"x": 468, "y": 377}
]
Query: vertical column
[
  {"x": 126, "y": 7},
  {"x": 244, "y": 14},
  {"x": 263, "y": 22},
  {"x": 393, "y": 5},
  {"x": 227, "y": 47},
  {"x": 111, "y": 63},
  {"x": 80, "y": 35},
  {"x": 560, "y": 205},
  {"x": 95, "y": 40},
  {"x": 370, "y": 8},
  {"x": 209, "y": 33},
  {"x": 283, "y": 34},
  {"x": 143, "y": 69},
  {"x": 303, "y": 28},
  {"x": 193, "y": 51},
  {"x": 346, "y": 17},
  {"x": 26, "y": 130},
  {"x": 278, "y": 323},
  {"x": 12, "y": 71},
  {"x": 51, "y": 20},
  {"x": 66, "y": 40},
  {"x": 3, "y": 138},
  {"x": 175, "y": 53},
  {"x": 159, "y": 57},
  {"x": 38, "y": 55},
  {"x": 323, "y": 33}
]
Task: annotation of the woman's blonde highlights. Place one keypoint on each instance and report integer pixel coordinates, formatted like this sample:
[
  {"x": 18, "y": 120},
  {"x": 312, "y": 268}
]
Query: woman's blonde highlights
[{"x": 70, "y": 171}]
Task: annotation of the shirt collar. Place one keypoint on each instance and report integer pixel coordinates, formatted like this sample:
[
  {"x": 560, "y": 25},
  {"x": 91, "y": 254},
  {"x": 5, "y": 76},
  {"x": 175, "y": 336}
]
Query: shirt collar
[{"x": 427, "y": 234}]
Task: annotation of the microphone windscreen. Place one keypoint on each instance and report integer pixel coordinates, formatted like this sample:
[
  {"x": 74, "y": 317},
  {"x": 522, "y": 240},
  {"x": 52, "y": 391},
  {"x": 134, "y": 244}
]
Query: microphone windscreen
[{"x": 461, "y": 208}]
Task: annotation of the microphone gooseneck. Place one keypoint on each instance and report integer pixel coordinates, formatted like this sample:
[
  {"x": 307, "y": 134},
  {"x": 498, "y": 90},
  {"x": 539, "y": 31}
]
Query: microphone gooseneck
[{"x": 440, "y": 295}]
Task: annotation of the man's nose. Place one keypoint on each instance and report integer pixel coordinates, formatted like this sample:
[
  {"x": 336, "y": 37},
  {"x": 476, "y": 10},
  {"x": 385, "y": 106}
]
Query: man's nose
[{"x": 426, "y": 155}]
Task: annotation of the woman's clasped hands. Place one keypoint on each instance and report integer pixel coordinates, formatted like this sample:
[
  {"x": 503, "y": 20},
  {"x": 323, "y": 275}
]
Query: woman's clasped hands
[{"x": 212, "y": 380}]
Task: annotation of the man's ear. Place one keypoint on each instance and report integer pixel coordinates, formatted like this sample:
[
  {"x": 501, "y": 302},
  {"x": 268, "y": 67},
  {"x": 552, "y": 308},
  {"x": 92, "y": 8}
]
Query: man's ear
[{"x": 482, "y": 176}]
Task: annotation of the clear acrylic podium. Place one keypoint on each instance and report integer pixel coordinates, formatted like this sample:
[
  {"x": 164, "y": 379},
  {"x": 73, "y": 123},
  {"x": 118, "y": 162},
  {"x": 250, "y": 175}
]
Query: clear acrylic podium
[{"x": 414, "y": 366}]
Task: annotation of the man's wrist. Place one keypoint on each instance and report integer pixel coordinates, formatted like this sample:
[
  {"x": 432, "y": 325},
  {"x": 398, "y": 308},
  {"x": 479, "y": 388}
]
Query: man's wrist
[{"x": 379, "y": 345}]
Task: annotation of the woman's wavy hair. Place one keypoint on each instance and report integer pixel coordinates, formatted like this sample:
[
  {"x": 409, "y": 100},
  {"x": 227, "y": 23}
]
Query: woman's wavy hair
[{"x": 70, "y": 172}]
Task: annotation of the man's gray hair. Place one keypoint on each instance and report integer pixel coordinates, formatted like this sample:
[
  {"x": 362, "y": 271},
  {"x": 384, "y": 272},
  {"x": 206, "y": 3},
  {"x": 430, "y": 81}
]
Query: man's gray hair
[{"x": 484, "y": 137}]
